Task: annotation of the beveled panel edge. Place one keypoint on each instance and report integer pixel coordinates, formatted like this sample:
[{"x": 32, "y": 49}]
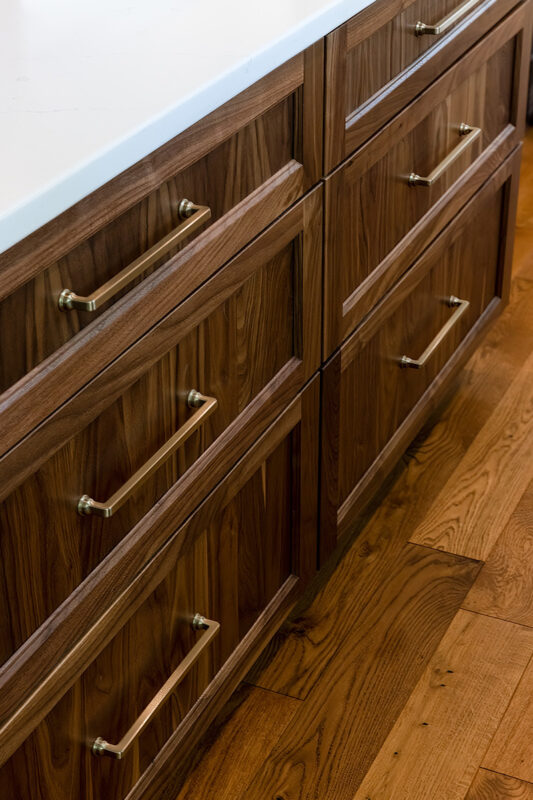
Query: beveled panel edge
[
  {"x": 49, "y": 385},
  {"x": 50, "y": 661}
]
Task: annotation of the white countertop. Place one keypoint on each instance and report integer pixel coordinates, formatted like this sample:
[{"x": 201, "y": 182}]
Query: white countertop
[{"x": 88, "y": 88}]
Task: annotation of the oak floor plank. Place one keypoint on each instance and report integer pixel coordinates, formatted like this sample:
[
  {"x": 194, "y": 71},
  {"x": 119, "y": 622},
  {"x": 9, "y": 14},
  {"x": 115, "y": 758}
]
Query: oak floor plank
[
  {"x": 493, "y": 786},
  {"x": 404, "y": 603},
  {"x": 236, "y": 745},
  {"x": 511, "y": 750},
  {"x": 478, "y": 499},
  {"x": 504, "y": 587},
  {"x": 439, "y": 740}
]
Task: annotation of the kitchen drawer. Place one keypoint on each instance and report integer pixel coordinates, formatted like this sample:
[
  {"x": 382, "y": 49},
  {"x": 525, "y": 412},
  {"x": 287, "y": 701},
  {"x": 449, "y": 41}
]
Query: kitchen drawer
[
  {"x": 247, "y": 340},
  {"x": 375, "y": 400},
  {"x": 379, "y": 216},
  {"x": 239, "y": 561},
  {"x": 241, "y": 167},
  {"x": 380, "y": 59}
]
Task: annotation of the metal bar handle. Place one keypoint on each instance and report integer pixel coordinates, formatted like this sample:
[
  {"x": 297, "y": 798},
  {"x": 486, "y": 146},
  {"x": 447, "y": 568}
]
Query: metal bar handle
[
  {"x": 460, "y": 308},
  {"x": 470, "y": 134},
  {"x": 192, "y": 217},
  {"x": 210, "y": 628},
  {"x": 446, "y": 22},
  {"x": 205, "y": 405}
]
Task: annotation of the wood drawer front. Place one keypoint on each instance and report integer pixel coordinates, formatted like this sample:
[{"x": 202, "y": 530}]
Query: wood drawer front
[
  {"x": 250, "y": 337},
  {"x": 371, "y": 404},
  {"x": 376, "y": 63},
  {"x": 376, "y": 223},
  {"x": 248, "y": 162},
  {"x": 239, "y": 560}
]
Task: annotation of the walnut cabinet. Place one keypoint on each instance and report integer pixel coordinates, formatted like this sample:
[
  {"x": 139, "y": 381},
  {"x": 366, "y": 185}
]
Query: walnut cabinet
[{"x": 214, "y": 360}]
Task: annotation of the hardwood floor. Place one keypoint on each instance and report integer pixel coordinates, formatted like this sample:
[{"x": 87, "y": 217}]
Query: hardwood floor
[{"x": 406, "y": 673}]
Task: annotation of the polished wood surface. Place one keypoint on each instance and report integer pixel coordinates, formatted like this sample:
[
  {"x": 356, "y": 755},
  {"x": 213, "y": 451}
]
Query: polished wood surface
[
  {"x": 98, "y": 611},
  {"x": 375, "y": 221},
  {"x": 236, "y": 557},
  {"x": 365, "y": 90},
  {"x": 466, "y": 261},
  {"x": 224, "y": 161},
  {"x": 310, "y": 765},
  {"x": 218, "y": 342}
]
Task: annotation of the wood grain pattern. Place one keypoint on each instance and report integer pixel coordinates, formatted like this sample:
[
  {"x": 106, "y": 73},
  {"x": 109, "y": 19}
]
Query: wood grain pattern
[
  {"x": 504, "y": 587},
  {"x": 359, "y": 666},
  {"x": 511, "y": 749},
  {"x": 478, "y": 499},
  {"x": 404, "y": 323},
  {"x": 236, "y": 744},
  {"x": 371, "y": 211},
  {"x": 225, "y": 349},
  {"x": 367, "y": 73},
  {"x": 228, "y": 161},
  {"x": 492, "y": 786},
  {"x": 364, "y": 91},
  {"x": 308, "y": 648},
  {"x": 252, "y": 526},
  {"x": 47, "y": 386},
  {"x": 450, "y": 716}
]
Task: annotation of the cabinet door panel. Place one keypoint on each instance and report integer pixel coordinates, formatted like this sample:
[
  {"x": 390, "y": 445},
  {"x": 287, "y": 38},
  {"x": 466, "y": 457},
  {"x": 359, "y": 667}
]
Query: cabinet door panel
[
  {"x": 237, "y": 560},
  {"x": 376, "y": 63},
  {"x": 372, "y": 400},
  {"x": 249, "y": 338},
  {"x": 376, "y": 220},
  {"x": 247, "y": 163}
]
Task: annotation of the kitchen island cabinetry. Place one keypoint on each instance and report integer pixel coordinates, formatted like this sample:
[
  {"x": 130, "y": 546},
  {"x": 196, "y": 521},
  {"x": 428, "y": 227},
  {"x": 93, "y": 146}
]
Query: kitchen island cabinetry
[{"x": 219, "y": 355}]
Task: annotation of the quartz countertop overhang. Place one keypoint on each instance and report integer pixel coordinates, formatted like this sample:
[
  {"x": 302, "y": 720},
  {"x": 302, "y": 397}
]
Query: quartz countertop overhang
[{"x": 88, "y": 89}]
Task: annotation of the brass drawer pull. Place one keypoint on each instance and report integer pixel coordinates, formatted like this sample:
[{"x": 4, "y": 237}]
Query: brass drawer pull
[
  {"x": 192, "y": 215},
  {"x": 210, "y": 629},
  {"x": 447, "y": 22},
  {"x": 205, "y": 406},
  {"x": 460, "y": 308},
  {"x": 470, "y": 134}
]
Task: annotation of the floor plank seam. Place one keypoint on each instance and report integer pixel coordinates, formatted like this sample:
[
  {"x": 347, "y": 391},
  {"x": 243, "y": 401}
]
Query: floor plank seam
[
  {"x": 495, "y": 616},
  {"x": 448, "y": 553},
  {"x": 506, "y": 775},
  {"x": 273, "y": 691}
]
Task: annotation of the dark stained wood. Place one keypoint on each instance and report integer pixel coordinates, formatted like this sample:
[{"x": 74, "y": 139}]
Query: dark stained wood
[
  {"x": 41, "y": 391},
  {"x": 236, "y": 744},
  {"x": 238, "y": 560},
  {"x": 218, "y": 342},
  {"x": 372, "y": 387},
  {"x": 225, "y": 161},
  {"x": 492, "y": 786},
  {"x": 364, "y": 90},
  {"x": 305, "y": 651},
  {"x": 375, "y": 222},
  {"x": 355, "y": 656}
]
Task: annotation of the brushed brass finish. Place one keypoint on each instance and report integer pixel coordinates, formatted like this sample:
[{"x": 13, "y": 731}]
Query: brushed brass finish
[
  {"x": 192, "y": 217},
  {"x": 447, "y": 22},
  {"x": 460, "y": 308},
  {"x": 205, "y": 405},
  {"x": 470, "y": 135},
  {"x": 210, "y": 628}
]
